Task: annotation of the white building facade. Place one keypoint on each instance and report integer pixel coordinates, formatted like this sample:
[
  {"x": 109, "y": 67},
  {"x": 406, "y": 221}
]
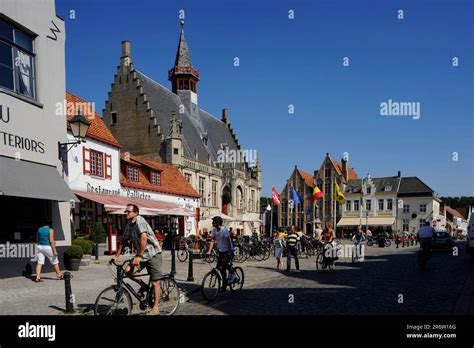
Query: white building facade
[{"x": 32, "y": 84}]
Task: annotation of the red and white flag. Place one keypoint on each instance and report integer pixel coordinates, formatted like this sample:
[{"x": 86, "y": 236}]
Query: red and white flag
[{"x": 275, "y": 196}]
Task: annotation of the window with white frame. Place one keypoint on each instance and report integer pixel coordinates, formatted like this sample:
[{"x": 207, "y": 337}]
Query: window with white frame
[
  {"x": 348, "y": 205},
  {"x": 406, "y": 226},
  {"x": 389, "y": 204},
  {"x": 96, "y": 159},
  {"x": 422, "y": 208},
  {"x": 406, "y": 208},
  {"x": 368, "y": 204},
  {"x": 380, "y": 204},
  {"x": 188, "y": 178},
  {"x": 132, "y": 173},
  {"x": 202, "y": 182},
  {"x": 214, "y": 193},
  {"x": 356, "y": 205},
  {"x": 155, "y": 177},
  {"x": 422, "y": 222}
]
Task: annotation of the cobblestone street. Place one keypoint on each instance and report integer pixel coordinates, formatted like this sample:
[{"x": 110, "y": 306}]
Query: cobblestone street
[{"x": 377, "y": 285}]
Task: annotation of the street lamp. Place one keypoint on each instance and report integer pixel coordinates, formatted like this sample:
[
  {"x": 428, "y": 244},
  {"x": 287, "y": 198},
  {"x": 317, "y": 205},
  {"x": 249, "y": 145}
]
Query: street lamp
[{"x": 79, "y": 127}]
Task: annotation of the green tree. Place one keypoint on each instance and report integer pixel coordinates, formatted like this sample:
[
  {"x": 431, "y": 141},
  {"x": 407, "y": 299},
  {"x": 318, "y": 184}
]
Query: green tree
[{"x": 98, "y": 233}]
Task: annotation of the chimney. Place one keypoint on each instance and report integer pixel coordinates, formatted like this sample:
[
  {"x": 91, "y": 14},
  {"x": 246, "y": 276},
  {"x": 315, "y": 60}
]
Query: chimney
[
  {"x": 399, "y": 174},
  {"x": 225, "y": 116},
  {"x": 345, "y": 169},
  {"x": 126, "y": 58}
]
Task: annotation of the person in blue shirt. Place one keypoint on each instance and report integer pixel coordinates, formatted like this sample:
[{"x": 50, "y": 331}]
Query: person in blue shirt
[
  {"x": 46, "y": 249},
  {"x": 221, "y": 236}
]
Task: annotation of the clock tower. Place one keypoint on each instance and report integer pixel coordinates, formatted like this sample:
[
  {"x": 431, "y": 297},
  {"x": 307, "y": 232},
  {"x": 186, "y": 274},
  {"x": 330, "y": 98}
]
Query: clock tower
[{"x": 184, "y": 77}]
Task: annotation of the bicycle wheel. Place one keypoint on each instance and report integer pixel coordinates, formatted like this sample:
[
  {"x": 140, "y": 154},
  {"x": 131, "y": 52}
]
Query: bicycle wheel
[
  {"x": 387, "y": 243},
  {"x": 320, "y": 262},
  {"x": 211, "y": 285},
  {"x": 182, "y": 255},
  {"x": 112, "y": 301},
  {"x": 169, "y": 298},
  {"x": 238, "y": 283},
  {"x": 266, "y": 254}
]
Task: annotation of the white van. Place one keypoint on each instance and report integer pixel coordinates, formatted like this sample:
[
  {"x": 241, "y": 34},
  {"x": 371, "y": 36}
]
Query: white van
[{"x": 470, "y": 235}]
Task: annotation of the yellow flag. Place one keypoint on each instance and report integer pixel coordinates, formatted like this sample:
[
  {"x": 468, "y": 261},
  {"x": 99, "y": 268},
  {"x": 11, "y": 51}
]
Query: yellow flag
[{"x": 339, "y": 195}]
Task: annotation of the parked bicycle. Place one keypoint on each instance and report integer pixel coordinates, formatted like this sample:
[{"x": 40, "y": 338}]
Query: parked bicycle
[
  {"x": 212, "y": 281},
  {"x": 117, "y": 299}
]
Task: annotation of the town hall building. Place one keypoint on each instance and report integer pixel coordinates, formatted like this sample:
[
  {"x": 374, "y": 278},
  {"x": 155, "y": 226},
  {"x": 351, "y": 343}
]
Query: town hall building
[{"x": 168, "y": 126}]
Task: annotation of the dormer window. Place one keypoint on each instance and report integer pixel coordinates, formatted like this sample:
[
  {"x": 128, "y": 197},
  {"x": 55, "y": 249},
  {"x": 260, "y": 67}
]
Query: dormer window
[
  {"x": 388, "y": 187},
  {"x": 132, "y": 173},
  {"x": 155, "y": 177},
  {"x": 368, "y": 190}
]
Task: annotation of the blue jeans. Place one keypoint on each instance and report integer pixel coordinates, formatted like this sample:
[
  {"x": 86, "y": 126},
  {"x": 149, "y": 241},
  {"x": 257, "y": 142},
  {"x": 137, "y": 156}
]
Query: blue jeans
[{"x": 292, "y": 251}]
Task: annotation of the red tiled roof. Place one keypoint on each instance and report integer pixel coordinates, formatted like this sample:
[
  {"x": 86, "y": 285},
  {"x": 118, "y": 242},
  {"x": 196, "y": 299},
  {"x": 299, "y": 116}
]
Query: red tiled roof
[
  {"x": 308, "y": 178},
  {"x": 338, "y": 166},
  {"x": 454, "y": 212},
  {"x": 172, "y": 181},
  {"x": 97, "y": 129}
]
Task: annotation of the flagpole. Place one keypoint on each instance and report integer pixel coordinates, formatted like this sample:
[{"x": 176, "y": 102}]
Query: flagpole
[
  {"x": 271, "y": 220},
  {"x": 334, "y": 225}
]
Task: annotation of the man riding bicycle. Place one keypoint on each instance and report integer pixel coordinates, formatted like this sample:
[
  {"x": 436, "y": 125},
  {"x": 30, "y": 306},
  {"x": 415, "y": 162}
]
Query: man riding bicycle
[
  {"x": 425, "y": 236},
  {"x": 143, "y": 240},
  {"x": 225, "y": 247}
]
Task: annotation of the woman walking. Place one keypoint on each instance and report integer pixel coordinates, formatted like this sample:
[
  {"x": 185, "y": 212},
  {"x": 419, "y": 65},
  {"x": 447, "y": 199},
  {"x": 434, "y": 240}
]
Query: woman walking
[
  {"x": 46, "y": 249},
  {"x": 278, "y": 243}
]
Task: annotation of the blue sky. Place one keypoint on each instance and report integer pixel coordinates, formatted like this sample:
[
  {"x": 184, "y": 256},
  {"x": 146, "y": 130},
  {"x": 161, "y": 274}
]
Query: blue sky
[{"x": 299, "y": 62}]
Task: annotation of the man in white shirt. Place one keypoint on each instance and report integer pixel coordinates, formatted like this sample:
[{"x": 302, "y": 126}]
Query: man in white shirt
[
  {"x": 425, "y": 235},
  {"x": 221, "y": 236}
]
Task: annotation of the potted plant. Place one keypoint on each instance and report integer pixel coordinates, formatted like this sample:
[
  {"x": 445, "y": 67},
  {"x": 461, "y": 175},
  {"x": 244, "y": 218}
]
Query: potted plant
[
  {"x": 87, "y": 247},
  {"x": 99, "y": 237},
  {"x": 72, "y": 257}
]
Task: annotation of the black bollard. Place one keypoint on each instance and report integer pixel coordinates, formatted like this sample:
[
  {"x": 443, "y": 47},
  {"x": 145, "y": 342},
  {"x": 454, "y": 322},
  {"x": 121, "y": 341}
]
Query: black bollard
[
  {"x": 96, "y": 251},
  {"x": 190, "y": 267},
  {"x": 69, "y": 298},
  {"x": 173, "y": 259}
]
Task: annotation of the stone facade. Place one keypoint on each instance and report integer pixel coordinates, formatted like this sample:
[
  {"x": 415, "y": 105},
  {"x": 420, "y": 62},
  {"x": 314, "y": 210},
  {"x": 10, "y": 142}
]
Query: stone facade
[{"x": 167, "y": 126}]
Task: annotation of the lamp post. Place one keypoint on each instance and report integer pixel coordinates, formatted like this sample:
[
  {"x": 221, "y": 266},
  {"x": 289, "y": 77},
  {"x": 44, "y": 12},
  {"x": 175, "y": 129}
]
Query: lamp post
[{"x": 79, "y": 127}]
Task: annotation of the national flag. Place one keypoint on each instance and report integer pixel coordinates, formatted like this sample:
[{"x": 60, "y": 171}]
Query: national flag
[
  {"x": 339, "y": 195},
  {"x": 295, "y": 197},
  {"x": 317, "y": 194},
  {"x": 275, "y": 196}
]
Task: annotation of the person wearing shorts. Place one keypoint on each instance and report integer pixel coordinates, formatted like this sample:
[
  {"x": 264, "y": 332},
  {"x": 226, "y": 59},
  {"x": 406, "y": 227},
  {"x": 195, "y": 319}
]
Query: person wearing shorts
[
  {"x": 278, "y": 243},
  {"x": 46, "y": 250},
  {"x": 143, "y": 240}
]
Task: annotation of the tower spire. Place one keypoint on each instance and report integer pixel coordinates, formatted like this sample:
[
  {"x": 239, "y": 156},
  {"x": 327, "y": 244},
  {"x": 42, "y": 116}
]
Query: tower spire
[{"x": 183, "y": 75}]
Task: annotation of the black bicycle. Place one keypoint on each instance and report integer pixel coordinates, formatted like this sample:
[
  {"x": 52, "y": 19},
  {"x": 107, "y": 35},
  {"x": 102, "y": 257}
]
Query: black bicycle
[
  {"x": 117, "y": 299},
  {"x": 424, "y": 254},
  {"x": 212, "y": 281}
]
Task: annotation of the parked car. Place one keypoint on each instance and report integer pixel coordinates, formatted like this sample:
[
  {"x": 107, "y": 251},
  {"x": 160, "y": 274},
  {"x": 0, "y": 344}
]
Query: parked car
[
  {"x": 470, "y": 236},
  {"x": 443, "y": 240}
]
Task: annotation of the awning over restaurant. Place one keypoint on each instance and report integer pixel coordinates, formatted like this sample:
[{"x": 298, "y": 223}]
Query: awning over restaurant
[
  {"x": 371, "y": 221},
  {"x": 117, "y": 204},
  {"x": 33, "y": 180}
]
